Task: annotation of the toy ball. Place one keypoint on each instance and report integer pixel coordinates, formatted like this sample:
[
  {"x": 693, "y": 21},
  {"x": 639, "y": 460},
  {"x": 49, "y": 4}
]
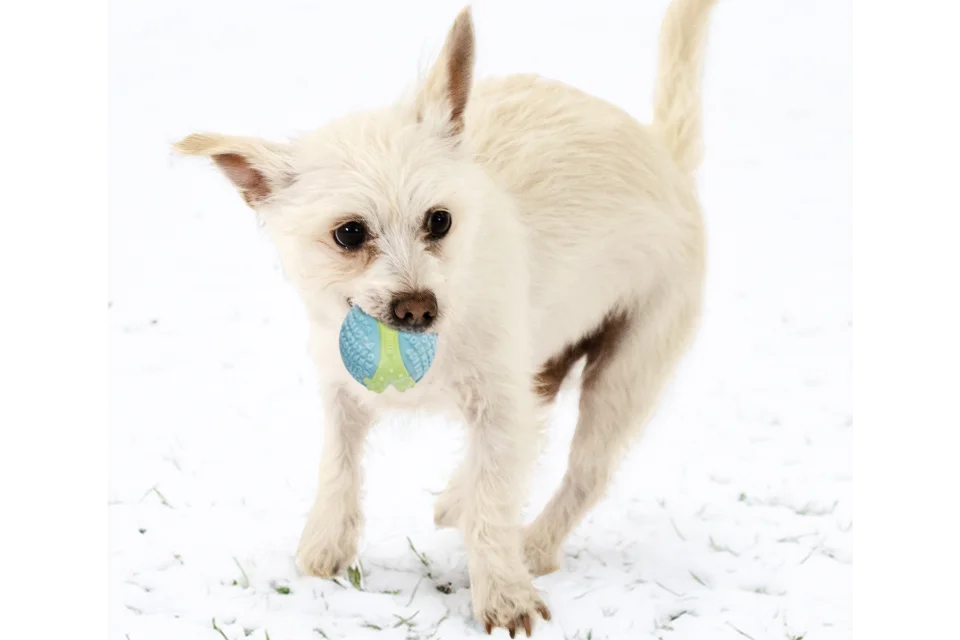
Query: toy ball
[{"x": 378, "y": 356}]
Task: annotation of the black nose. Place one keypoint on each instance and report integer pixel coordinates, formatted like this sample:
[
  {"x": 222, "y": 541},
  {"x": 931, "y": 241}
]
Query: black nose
[{"x": 415, "y": 309}]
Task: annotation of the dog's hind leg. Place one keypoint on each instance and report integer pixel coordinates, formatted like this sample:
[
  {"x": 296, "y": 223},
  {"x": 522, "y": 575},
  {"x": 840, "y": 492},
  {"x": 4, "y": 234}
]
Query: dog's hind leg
[
  {"x": 628, "y": 361},
  {"x": 447, "y": 509}
]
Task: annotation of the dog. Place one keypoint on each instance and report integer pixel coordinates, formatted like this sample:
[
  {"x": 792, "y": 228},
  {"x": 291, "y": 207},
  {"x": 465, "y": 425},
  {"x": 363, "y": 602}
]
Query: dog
[{"x": 529, "y": 225}]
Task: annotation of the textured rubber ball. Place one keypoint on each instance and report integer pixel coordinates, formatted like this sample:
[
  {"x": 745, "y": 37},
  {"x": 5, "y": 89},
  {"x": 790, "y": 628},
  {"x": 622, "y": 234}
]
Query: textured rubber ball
[{"x": 378, "y": 356}]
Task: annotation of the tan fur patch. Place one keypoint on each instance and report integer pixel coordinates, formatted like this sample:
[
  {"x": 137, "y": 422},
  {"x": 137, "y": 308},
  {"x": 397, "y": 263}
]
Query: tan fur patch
[
  {"x": 451, "y": 76},
  {"x": 460, "y": 70},
  {"x": 597, "y": 346},
  {"x": 554, "y": 371},
  {"x": 355, "y": 261},
  {"x": 368, "y": 253},
  {"x": 252, "y": 184}
]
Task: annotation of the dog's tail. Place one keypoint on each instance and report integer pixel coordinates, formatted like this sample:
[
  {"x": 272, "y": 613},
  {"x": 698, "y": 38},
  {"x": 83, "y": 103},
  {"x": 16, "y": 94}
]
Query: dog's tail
[{"x": 676, "y": 103}]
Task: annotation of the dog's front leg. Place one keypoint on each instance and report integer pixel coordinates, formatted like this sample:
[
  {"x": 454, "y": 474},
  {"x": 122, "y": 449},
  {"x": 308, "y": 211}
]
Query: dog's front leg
[
  {"x": 501, "y": 454},
  {"x": 329, "y": 540}
]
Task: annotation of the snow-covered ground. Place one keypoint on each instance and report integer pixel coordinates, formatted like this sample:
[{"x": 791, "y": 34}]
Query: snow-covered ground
[{"x": 732, "y": 517}]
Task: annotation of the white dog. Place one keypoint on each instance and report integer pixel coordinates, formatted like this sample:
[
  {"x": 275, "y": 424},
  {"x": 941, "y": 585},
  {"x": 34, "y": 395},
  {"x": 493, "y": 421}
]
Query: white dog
[{"x": 529, "y": 225}]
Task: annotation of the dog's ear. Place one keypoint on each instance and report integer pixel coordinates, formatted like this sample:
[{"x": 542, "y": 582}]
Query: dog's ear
[
  {"x": 257, "y": 168},
  {"x": 444, "y": 94}
]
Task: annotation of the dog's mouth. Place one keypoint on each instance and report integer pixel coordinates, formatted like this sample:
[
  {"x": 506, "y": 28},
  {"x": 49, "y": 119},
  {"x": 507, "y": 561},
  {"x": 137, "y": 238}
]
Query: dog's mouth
[
  {"x": 393, "y": 323},
  {"x": 406, "y": 328}
]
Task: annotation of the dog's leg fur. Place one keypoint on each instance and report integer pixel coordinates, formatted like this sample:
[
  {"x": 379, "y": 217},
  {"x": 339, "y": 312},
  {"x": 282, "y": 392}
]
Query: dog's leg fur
[
  {"x": 627, "y": 365},
  {"x": 633, "y": 355},
  {"x": 329, "y": 540},
  {"x": 447, "y": 509},
  {"x": 501, "y": 454}
]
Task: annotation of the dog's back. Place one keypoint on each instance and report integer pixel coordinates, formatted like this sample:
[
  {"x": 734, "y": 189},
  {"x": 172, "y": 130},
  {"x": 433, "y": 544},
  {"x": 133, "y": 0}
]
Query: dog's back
[{"x": 608, "y": 202}]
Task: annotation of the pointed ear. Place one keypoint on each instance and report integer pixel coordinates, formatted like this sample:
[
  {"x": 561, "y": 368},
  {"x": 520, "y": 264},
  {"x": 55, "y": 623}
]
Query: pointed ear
[
  {"x": 443, "y": 96},
  {"x": 257, "y": 168}
]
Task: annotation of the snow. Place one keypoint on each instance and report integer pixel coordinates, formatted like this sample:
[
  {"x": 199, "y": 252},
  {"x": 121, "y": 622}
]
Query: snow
[{"x": 731, "y": 518}]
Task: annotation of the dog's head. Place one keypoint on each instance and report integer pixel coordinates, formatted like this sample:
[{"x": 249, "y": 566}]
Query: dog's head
[{"x": 376, "y": 209}]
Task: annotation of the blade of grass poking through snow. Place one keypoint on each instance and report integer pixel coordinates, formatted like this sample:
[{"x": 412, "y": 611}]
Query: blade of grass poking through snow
[
  {"x": 420, "y": 556},
  {"x": 436, "y": 627},
  {"x": 401, "y": 620},
  {"x": 355, "y": 575},
  {"x": 282, "y": 589},
  {"x": 732, "y": 626},
  {"x": 163, "y": 499},
  {"x": 721, "y": 548},
  {"x": 668, "y": 590},
  {"x": 677, "y": 529},
  {"x": 414, "y": 594},
  {"x": 218, "y": 629},
  {"x": 244, "y": 581}
]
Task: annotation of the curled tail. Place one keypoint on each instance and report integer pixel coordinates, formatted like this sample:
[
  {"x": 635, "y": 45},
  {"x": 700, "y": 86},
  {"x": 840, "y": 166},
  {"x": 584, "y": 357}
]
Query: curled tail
[{"x": 676, "y": 103}]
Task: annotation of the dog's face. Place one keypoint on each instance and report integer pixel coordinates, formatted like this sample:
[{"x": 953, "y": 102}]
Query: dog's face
[
  {"x": 376, "y": 209},
  {"x": 379, "y": 215}
]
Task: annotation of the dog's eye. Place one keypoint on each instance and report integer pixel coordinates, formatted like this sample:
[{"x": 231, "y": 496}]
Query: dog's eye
[
  {"x": 438, "y": 224},
  {"x": 350, "y": 235}
]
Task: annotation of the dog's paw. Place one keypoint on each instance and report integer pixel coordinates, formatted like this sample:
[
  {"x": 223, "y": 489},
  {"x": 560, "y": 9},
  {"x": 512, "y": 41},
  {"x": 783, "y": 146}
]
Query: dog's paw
[
  {"x": 539, "y": 558},
  {"x": 446, "y": 510},
  {"x": 322, "y": 562},
  {"x": 511, "y": 608},
  {"x": 540, "y": 562},
  {"x": 324, "y": 549}
]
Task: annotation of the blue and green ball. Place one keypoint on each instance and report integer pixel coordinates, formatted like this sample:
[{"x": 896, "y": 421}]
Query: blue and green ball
[{"x": 378, "y": 356}]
